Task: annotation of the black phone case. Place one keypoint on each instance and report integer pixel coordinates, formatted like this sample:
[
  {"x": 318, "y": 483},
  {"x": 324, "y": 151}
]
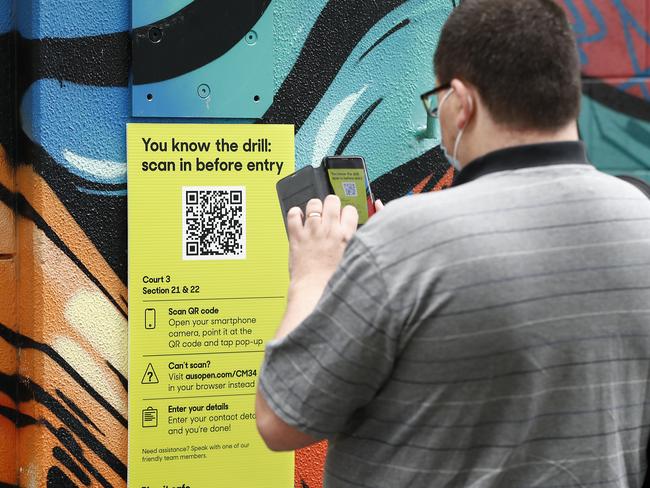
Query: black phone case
[{"x": 297, "y": 189}]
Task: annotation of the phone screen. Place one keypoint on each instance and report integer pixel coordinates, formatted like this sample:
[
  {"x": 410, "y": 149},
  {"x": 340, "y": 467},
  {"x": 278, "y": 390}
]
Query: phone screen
[{"x": 349, "y": 181}]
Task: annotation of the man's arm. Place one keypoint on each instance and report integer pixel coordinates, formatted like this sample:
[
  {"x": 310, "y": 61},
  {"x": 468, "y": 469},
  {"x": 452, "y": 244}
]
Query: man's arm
[
  {"x": 278, "y": 435},
  {"x": 315, "y": 250}
]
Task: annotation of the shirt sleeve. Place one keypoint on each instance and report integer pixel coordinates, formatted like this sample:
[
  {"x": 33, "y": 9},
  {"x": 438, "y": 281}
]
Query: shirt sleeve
[{"x": 334, "y": 362}]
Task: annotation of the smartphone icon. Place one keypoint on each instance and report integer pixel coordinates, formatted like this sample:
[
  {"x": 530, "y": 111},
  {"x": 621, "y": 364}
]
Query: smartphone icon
[{"x": 150, "y": 318}]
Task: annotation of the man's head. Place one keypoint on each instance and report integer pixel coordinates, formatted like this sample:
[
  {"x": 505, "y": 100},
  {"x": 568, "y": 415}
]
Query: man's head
[{"x": 516, "y": 60}]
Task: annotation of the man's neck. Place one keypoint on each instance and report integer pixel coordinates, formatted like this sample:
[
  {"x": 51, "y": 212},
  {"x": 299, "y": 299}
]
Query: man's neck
[{"x": 484, "y": 142}]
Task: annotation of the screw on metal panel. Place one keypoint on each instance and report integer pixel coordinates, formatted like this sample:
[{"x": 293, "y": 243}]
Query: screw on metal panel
[
  {"x": 149, "y": 96},
  {"x": 155, "y": 35},
  {"x": 256, "y": 98},
  {"x": 251, "y": 38},
  {"x": 203, "y": 90}
]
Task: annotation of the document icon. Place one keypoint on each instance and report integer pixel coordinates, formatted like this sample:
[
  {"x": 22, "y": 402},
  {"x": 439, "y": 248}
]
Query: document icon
[{"x": 150, "y": 417}]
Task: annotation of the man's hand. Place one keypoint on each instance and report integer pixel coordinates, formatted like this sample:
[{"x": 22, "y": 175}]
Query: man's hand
[
  {"x": 317, "y": 245},
  {"x": 317, "y": 241}
]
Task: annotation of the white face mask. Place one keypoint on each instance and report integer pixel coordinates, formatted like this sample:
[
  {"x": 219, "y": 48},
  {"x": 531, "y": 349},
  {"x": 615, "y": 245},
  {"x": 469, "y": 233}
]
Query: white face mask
[{"x": 453, "y": 160}]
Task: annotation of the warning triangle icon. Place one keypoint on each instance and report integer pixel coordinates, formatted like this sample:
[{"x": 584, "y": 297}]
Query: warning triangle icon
[{"x": 150, "y": 376}]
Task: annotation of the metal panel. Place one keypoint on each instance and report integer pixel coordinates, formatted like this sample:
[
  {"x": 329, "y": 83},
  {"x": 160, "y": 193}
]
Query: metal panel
[{"x": 208, "y": 59}]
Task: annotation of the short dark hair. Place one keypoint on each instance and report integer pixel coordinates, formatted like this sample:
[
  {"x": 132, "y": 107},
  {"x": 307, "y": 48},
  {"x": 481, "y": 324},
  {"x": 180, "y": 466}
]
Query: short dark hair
[{"x": 520, "y": 55}]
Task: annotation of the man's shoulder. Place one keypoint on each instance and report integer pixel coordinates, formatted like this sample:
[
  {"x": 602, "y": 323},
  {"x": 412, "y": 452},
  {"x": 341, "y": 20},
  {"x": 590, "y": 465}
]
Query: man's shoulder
[
  {"x": 408, "y": 216},
  {"x": 418, "y": 216}
]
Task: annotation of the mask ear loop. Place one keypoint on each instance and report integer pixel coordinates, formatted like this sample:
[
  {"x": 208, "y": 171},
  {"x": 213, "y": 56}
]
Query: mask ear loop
[
  {"x": 437, "y": 127},
  {"x": 457, "y": 146},
  {"x": 444, "y": 99},
  {"x": 458, "y": 139}
]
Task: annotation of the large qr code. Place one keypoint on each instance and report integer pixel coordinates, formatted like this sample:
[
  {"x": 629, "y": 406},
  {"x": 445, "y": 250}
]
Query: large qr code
[
  {"x": 350, "y": 189},
  {"x": 214, "y": 222}
]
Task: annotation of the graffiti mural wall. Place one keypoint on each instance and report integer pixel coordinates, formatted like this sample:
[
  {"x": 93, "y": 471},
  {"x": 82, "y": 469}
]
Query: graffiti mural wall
[
  {"x": 614, "y": 41},
  {"x": 9, "y": 421},
  {"x": 348, "y": 74}
]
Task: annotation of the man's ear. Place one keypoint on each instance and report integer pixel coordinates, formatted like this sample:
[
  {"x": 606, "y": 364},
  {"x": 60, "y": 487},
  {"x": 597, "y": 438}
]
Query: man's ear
[{"x": 466, "y": 103}]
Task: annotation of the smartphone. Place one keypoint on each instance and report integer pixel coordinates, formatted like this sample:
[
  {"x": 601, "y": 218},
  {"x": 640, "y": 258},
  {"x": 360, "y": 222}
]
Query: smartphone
[
  {"x": 348, "y": 179},
  {"x": 344, "y": 176}
]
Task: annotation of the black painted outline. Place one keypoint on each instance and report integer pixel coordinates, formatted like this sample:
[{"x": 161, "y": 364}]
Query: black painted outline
[
  {"x": 309, "y": 78},
  {"x": 21, "y": 341},
  {"x": 19, "y": 419},
  {"x": 75, "y": 408},
  {"x": 392, "y": 31},
  {"x": 64, "y": 458},
  {"x": 101, "y": 60},
  {"x": 8, "y": 104},
  {"x": 354, "y": 128},
  {"x": 65, "y": 437},
  {"x": 56, "y": 478},
  {"x": 401, "y": 180},
  {"x": 120, "y": 376},
  {"x": 25, "y": 209},
  {"x": 615, "y": 99},
  {"x": 100, "y": 216},
  {"x": 38, "y": 394}
]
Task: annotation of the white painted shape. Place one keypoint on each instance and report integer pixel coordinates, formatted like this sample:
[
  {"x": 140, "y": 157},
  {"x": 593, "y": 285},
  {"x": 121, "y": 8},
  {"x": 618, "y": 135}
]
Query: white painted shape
[
  {"x": 30, "y": 475},
  {"x": 99, "y": 376},
  {"x": 99, "y": 322},
  {"x": 100, "y": 169},
  {"x": 331, "y": 126}
]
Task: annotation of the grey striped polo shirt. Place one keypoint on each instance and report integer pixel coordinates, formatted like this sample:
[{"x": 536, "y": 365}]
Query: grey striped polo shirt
[{"x": 495, "y": 334}]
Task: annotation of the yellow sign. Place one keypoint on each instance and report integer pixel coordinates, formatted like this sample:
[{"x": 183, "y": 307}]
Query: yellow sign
[{"x": 207, "y": 284}]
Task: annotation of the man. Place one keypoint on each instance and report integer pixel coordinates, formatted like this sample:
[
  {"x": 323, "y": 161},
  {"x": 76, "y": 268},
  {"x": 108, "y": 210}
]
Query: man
[{"x": 495, "y": 334}]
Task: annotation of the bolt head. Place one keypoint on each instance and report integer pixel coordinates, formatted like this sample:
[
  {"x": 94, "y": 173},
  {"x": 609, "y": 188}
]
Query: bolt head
[
  {"x": 203, "y": 90},
  {"x": 251, "y": 38},
  {"x": 155, "y": 35}
]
